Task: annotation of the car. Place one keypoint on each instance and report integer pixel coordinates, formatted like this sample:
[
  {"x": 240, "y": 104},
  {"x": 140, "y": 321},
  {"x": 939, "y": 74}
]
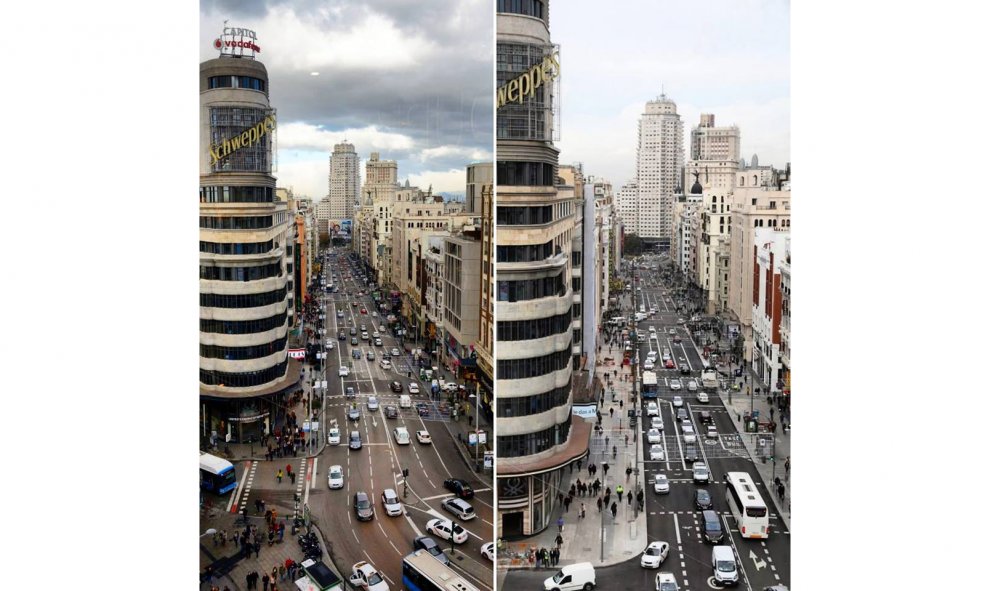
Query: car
[
  {"x": 690, "y": 453},
  {"x": 423, "y": 436},
  {"x": 656, "y": 423},
  {"x": 705, "y": 416},
  {"x": 395, "y": 352},
  {"x": 660, "y": 484},
  {"x": 366, "y": 577},
  {"x": 330, "y": 344},
  {"x": 488, "y": 551},
  {"x": 378, "y": 342},
  {"x": 677, "y": 339},
  {"x": 413, "y": 388},
  {"x": 702, "y": 499},
  {"x": 682, "y": 414},
  {"x": 675, "y": 384},
  {"x": 430, "y": 545},
  {"x": 354, "y": 304},
  {"x": 376, "y": 335},
  {"x": 656, "y": 452},
  {"x": 653, "y": 436},
  {"x": 363, "y": 328},
  {"x": 372, "y": 403},
  {"x": 669, "y": 364},
  {"x": 385, "y": 364},
  {"x": 333, "y": 436},
  {"x": 423, "y": 409},
  {"x": 354, "y": 413},
  {"x": 652, "y": 409},
  {"x": 353, "y": 331},
  {"x": 672, "y": 331},
  {"x": 390, "y": 500},
  {"x": 363, "y": 508},
  {"x": 354, "y": 341},
  {"x": 364, "y": 311},
  {"x": 446, "y": 529},
  {"x": 459, "y": 507},
  {"x": 354, "y": 442},
  {"x": 341, "y": 336},
  {"x": 340, "y": 313},
  {"x": 700, "y": 473},
  {"x": 692, "y": 385},
  {"x": 342, "y": 371},
  {"x": 395, "y": 386},
  {"x": 356, "y": 353},
  {"x": 685, "y": 369},
  {"x": 652, "y": 356},
  {"x": 666, "y": 582},
  {"x": 401, "y": 435},
  {"x": 365, "y": 336},
  {"x": 703, "y": 397},
  {"x": 653, "y": 329},
  {"x": 711, "y": 432},
  {"x": 648, "y": 364},
  {"x": 459, "y": 487},
  {"x": 349, "y": 392},
  {"x": 335, "y": 477},
  {"x": 654, "y": 555},
  {"x": 678, "y": 402}
]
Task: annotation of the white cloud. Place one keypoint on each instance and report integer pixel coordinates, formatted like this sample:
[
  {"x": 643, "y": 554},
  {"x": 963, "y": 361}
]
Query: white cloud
[
  {"x": 307, "y": 178},
  {"x": 466, "y": 153},
  {"x": 452, "y": 180},
  {"x": 303, "y": 136}
]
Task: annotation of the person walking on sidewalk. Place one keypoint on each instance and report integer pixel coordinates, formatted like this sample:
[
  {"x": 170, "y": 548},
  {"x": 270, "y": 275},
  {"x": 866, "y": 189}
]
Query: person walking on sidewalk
[
  {"x": 567, "y": 504},
  {"x": 629, "y": 498},
  {"x": 278, "y": 476},
  {"x": 582, "y": 509},
  {"x": 615, "y": 510},
  {"x": 559, "y": 541},
  {"x": 560, "y": 525},
  {"x": 599, "y": 504}
]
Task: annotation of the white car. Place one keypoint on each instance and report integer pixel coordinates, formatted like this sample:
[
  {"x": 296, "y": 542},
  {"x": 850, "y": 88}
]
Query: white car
[
  {"x": 333, "y": 436},
  {"x": 656, "y": 452},
  {"x": 692, "y": 385},
  {"x": 423, "y": 436},
  {"x": 675, "y": 384},
  {"x": 331, "y": 344},
  {"x": 375, "y": 335},
  {"x": 689, "y": 435},
  {"x": 660, "y": 484},
  {"x": 656, "y": 423},
  {"x": 446, "y": 529},
  {"x": 335, "y": 477},
  {"x": 654, "y": 555},
  {"x": 367, "y": 577},
  {"x": 652, "y": 410},
  {"x": 395, "y": 352},
  {"x": 678, "y": 402},
  {"x": 653, "y": 329},
  {"x": 372, "y": 403},
  {"x": 488, "y": 551},
  {"x": 653, "y": 436},
  {"x": 343, "y": 371},
  {"x": 413, "y": 388},
  {"x": 648, "y": 365},
  {"x": 652, "y": 356},
  {"x": 700, "y": 473},
  {"x": 672, "y": 331},
  {"x": 666, "y": 582},
  {"x": 385, "y": 363},
  {"x": 703, "y": 397},
  {"x": 390, "y": 500},
  {"x": 711, "y": 432},
  {"x": 401, "y": 435}
]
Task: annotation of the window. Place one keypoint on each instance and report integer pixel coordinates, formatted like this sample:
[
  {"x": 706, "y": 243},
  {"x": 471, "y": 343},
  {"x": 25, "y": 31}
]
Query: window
[
  {"x": 241, "y": 353},
  {"x": 222, "y": 194},
  {"x": 531, "y": 405},
  {"x": 257, "y": 222},
  {"x": 531, "y": 289},
  {"x": 253, "y": 300},
  {"x": 244, "y": 379},
  {"x": 240, "y": 273},
  {"x": 221, "y": 81},
  {"x": 235, "y": 248}
]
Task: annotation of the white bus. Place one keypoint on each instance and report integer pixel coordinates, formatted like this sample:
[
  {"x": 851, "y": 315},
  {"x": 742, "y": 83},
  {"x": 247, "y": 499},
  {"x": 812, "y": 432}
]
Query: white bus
[
  {"x": 216, "y": 475},
  {"x": 422, "y": 572},
  {"x": 747, "y": 505},
  {"x": 650, "y": 389}
]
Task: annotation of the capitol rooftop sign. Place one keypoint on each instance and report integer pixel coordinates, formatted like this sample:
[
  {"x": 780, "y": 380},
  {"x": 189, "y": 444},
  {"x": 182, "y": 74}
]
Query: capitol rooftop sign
[{"x": 237, "y": 41}]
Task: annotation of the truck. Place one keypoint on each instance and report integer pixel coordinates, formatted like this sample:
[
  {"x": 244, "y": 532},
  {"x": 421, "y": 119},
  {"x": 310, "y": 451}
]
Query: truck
[{"x": 709, "y": 378}]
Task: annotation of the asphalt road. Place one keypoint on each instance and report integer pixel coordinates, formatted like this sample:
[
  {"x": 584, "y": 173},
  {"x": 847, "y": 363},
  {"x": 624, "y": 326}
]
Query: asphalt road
[{"x": 385, "y": 540}]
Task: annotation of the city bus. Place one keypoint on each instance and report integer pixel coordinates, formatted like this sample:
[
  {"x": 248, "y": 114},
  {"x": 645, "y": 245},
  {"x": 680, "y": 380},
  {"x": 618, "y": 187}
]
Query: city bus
[
  {"x": 216, "y": 474},
  {"x": 650, "y": 388},
  {"x": 747, "y": 505},
  {"x": 422, "y": 572}
]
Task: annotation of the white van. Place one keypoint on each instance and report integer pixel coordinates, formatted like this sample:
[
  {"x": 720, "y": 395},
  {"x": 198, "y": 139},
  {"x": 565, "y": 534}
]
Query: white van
[
  {"x": 405, "y": 401},
  {"x": 572, "y": 576},
  {"x": 724, "y": 565}
]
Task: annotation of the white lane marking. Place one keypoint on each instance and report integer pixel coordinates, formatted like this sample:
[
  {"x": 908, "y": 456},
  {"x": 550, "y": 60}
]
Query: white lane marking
[{"x": 677, "y": 530}]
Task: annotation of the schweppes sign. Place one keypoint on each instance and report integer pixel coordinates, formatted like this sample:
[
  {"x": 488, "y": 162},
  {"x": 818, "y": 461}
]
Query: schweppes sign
[
  {"x": 246, "y": 138},
  {"x": 524, "y": 86}
]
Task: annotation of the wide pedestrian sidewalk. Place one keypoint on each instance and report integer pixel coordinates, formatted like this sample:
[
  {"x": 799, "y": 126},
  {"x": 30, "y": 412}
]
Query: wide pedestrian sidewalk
[{"x": 625, "y": 536}]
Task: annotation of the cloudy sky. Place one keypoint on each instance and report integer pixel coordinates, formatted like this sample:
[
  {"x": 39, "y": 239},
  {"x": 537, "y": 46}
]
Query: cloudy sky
[
  {"x": 727, "y": 57},
  {"x": 409, "y": 79}
]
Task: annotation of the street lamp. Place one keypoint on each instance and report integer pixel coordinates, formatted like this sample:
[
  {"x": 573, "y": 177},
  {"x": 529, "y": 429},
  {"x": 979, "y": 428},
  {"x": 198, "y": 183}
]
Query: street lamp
[{"x": 477, "y": 435}]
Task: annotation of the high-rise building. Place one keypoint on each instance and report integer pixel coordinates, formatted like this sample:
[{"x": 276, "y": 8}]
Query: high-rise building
[
  {"x": 659, "y": 161},
  {"x": 246, "y": 243},
  {"x": 714, "y": 143},
  {"x": 626, "y": 201},
  {"x": 485, "y": 348},
  {"x": 345, "y": 182},
  {"x": 537, "y": 437}
]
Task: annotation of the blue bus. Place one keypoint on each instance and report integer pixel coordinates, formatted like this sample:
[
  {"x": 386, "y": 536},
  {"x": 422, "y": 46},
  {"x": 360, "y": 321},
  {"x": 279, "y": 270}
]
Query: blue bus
[
  {"x": 422, "y": 572},
  {"x": 216, "y": 474}
]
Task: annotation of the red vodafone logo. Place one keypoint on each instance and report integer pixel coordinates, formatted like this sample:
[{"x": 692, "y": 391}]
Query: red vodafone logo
[{"x": 218, "y": 44}]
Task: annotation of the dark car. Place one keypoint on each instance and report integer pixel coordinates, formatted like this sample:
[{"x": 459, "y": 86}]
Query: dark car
[
  {"x": 363, "y": 508},
  {"x": 396, "y": 386},
  {"x": 459, "y": 487},
  {"x": 355, "y": 441},
  {"x": 706, "y": 416},
  {"x": 702, "y": 499},
  {"x": 391, "y": 412},
  {"x": 354, "y": 341},
  {"x": 430, "y": 545},
  {"x": 354, "y": 413},
  {"x": 685, "y": 369},
  {"x": 341, "y": 336},
  {"x": 712, "y": 527},
  {"x": 682, "y": 414},
  {"x": 690, "y": 453},
  {"x": 349, "y": 392},
  {"x": 423, "y": 409}
]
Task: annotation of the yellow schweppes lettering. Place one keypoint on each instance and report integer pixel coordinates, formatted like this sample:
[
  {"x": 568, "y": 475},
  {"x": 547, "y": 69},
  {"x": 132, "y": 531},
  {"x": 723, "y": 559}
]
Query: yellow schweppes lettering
[
  {"x": 526, "y": 85},
  {"x": 246, "y": 138}
]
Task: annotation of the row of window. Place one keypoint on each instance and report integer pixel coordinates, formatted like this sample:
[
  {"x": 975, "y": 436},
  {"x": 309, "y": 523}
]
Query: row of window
[
  {"x": 531, "y": 405},
  {"x": 514, "y": 446},
  {"x": 534, "y": 174},
  {"x": 531, "y": 289},
  {"x": 523, "y": 216},
  {"x": 525, "y": 253},
  {"x": 524, "y": 330},
  {"x": 241, "y": 353},
  {"x": 240, "y": 273},
  {"x": 517, "y": 369},
  {"x": 243, "y": 379},
  {"x": 236, "y": 195},
  {"x": 245, "y": 300},
  {"x": 526, "y": 7},
  {"x": 248, "y": 82},
  {"x": 242, "y": 326},
  {"x": 236, "y": 247},
  {"x": 249, "y": 222}
]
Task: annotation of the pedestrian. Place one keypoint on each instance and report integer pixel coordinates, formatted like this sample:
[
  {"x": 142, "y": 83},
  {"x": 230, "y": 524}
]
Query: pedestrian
[
  {"x": 567, "y": 504},
  {"x": 274, "y": 574},
  {"x": 583, "y": 509},
  {"x": 281, "y": 572},
  {"x": 292, "y": 477},
  {"x": 618, "y": 491},
  {"x": 257, "y": 548},
  {"x": 264, "y": 582},
  {"x": 560, "y": 525},
  {"x": 628, "y": 473},
  {"x": 599, "y": 504},
  {"x": 611, "y": 412},
  {"x": 629, "y": 498},
  {"x": 615, "y": 510},
  {"x": 278, "y": 475},
  {"x": 559, "y": 540},
  {"x": 605, "y": 467}
]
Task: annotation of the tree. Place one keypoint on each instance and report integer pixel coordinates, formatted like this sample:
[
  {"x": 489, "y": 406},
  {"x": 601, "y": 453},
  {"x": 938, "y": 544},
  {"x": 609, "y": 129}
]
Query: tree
[{"x": 632, "y": 245}]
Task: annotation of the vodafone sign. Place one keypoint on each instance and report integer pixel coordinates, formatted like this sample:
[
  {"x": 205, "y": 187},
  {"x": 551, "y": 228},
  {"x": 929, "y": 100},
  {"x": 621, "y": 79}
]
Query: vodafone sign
[{"x": 237, "y": 41}]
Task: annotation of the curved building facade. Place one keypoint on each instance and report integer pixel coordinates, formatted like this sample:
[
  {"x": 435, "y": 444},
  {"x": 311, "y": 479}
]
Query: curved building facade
[
  {"x": 536, "y": 436},
  {"x": 245, "y": 256}
]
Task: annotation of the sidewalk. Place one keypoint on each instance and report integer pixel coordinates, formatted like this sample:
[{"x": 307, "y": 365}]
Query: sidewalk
[{"x": 625, "y": 536}]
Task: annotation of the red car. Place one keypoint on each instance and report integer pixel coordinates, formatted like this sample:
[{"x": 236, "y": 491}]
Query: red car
[
  {"x": 364, "y": 311},
  {"x": 669, "y": 364}
]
